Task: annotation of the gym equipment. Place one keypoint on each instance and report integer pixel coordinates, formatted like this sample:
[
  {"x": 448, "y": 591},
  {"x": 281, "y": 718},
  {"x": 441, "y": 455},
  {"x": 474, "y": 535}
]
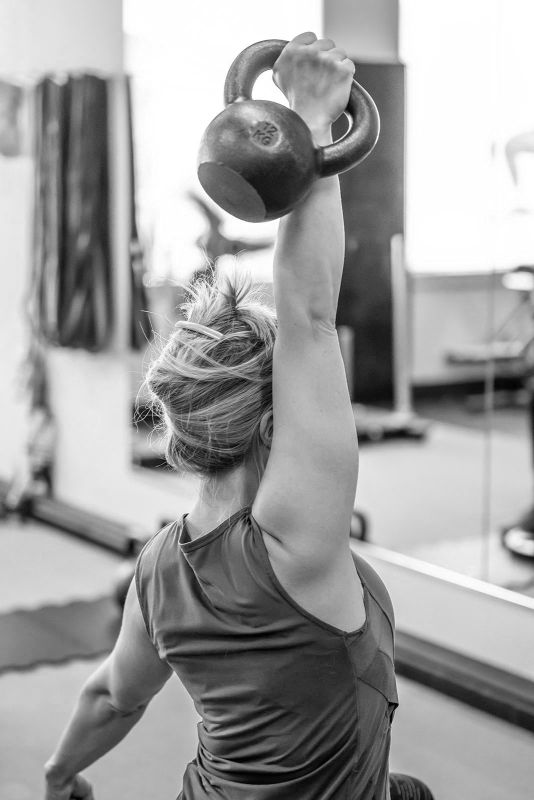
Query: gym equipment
[
  {"x": 57, "y": 633},
  {"x": 213, "y": 244},
  {"x": 71, "y": 300},
  {"x": 359, "y": 526},
  {"x": 508, "y": 354},
  {"x": 257, "y": 158},
  {"x": 518, "y": 540}
]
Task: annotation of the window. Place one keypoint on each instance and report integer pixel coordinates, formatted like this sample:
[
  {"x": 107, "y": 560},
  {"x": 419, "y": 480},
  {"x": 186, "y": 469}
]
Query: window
[{"x": 470, "y": 92}]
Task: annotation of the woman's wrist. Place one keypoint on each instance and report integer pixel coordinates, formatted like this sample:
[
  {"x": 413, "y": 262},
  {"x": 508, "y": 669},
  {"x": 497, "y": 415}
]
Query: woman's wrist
[
  {"x": 321, "y": 135},
  {"x": 57, "y": 776},
  {"x": 321, "y": 129}
]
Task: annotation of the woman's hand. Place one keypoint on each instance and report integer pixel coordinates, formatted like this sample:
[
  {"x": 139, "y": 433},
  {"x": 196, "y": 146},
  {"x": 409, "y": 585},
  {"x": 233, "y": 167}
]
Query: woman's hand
[
  {"x": 77, "y": 789},
  {"x": 316, "y": 78}
]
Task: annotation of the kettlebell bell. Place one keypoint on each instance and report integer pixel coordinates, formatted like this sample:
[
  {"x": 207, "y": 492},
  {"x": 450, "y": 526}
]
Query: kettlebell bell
[{"x": 257, "y": 158}]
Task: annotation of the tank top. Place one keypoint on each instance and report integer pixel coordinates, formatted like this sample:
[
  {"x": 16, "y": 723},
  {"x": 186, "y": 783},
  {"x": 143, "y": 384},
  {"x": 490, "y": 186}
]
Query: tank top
[{"x": 290, "y": 706}]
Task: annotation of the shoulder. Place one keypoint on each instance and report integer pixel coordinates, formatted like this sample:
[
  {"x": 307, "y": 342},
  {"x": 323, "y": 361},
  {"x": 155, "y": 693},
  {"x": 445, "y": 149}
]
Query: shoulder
[
  {"x": 151, "y": 564},
  {"x": 153, "y": 550}
]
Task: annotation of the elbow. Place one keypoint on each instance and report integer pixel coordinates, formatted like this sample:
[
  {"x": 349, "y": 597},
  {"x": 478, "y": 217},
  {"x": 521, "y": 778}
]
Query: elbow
[
  {"x": 97, "y": 693},
  {"x": 124, "y": 709},
  {"x": 115, "y": 705}
]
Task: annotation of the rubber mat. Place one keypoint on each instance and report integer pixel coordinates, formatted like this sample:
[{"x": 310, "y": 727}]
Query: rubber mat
[{"x": 56, "y": 634}]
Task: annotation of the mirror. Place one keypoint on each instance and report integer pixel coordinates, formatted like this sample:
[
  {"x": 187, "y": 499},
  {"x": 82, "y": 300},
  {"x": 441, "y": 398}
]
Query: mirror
[
  {"x": 435, "y": 320},
  {"x": 469, "y": 205}
]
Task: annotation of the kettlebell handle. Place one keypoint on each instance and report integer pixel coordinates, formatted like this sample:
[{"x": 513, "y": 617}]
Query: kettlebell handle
[{"x": 361, "y": 109}]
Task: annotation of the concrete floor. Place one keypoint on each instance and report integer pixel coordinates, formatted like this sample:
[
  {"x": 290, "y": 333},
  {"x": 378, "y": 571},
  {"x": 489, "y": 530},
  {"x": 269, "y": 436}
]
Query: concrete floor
[
  {"x": 463, "y": 754},
  {"x": 41, "y": 565}
]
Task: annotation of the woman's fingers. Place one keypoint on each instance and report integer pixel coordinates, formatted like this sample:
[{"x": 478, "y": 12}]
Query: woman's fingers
[
  {"x": 305, "y": 38},
  {"x": 338, "y": 54},
  {"x": 324, "y": 44}
]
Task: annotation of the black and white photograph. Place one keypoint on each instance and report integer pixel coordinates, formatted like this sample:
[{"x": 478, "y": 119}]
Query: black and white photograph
[{"x": 266, "y": 400}]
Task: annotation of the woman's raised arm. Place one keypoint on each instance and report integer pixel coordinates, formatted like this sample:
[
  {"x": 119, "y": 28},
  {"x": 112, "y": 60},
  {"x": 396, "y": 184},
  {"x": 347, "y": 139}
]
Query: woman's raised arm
[{"x": 307, "y": 493}]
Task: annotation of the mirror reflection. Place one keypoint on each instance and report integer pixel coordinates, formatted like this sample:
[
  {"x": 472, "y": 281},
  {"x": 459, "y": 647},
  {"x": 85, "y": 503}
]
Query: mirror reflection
[{"x": 434, "y": 319}]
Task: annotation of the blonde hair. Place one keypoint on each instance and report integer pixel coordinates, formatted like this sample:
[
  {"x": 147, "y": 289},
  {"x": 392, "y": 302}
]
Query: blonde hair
[{"x": 212, "y": 387}]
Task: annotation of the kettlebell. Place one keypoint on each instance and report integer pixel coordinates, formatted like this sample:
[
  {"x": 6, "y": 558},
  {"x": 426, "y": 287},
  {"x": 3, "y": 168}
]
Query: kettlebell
[{"x": 257, "y": 158}]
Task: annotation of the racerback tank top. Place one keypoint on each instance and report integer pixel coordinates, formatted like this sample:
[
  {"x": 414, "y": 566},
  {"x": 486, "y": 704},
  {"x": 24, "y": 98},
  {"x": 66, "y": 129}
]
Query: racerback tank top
[{"x": 290, "y": 706}]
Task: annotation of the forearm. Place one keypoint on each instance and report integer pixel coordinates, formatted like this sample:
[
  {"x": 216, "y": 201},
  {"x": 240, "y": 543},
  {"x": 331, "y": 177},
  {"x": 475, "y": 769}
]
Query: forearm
[
  {"x": 94, "y": 728},
  {"x": 309, "y": 254}
]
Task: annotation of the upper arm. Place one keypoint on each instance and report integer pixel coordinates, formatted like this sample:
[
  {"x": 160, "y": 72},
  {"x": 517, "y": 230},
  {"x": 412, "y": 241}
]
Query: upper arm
[
  {"x": 307, "y": 493},
  {"x": 133, "y": 673}
]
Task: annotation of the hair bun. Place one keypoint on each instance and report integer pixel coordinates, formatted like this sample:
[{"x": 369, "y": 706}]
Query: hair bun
[{"x": 212, "y": 395}]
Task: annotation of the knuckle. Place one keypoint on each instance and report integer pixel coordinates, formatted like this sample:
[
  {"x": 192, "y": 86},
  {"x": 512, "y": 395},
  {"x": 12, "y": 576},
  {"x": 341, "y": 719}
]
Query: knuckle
[{"x": 339, "y": 53}]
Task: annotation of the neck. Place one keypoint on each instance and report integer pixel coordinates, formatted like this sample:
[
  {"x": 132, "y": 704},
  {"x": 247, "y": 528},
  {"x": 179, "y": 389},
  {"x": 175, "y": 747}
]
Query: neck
[{"x": 223, "y": 495}]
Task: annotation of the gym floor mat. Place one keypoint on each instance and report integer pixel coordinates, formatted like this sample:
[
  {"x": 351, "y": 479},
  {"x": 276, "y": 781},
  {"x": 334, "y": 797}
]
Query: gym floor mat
[{"x": 55, "y": 634}]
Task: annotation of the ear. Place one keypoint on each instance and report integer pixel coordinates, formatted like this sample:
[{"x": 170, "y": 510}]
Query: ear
[{"x": 266, "y": 428}]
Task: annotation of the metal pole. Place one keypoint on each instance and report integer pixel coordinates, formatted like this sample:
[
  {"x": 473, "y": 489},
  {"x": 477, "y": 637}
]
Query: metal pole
[{"x": 402, "y": 395}]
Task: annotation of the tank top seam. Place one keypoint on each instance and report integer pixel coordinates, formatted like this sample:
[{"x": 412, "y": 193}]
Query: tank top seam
[
  {"x": 355, "y": 679},
  {"x": 376, "y": 689},
  {"x": 266, "y": 561},
  {"x": 384, "y": 612}
]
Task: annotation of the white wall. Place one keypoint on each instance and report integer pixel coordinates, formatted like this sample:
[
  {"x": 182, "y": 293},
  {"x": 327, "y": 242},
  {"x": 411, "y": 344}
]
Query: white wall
[{"x": 60, "y": 35}]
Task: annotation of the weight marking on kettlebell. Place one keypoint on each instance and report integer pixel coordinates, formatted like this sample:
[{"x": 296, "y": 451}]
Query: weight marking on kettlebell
[{"x": 265, "y": 134}]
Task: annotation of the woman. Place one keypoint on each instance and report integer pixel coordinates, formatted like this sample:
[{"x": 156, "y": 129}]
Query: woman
[{"x": 283, "y": 639}]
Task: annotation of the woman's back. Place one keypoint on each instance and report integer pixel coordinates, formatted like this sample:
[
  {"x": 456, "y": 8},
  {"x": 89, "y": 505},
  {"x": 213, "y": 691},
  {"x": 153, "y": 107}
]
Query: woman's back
[{"x": 291, "y": 705}]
